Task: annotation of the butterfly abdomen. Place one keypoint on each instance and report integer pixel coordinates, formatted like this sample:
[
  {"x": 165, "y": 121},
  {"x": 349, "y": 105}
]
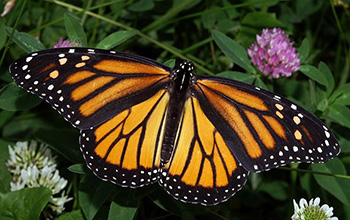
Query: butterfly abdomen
[{"x": 178, "y": 89}]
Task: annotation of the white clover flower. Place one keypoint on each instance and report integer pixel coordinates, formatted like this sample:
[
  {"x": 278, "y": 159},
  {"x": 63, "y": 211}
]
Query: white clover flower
[
  {"x": 34, "y": 166},
  {"x": 312, "y": 210},
  {"x": 8, "y": 7}
]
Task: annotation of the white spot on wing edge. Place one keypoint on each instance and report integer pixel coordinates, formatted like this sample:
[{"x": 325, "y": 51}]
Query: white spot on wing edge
[{"x": 28, "y": 59}]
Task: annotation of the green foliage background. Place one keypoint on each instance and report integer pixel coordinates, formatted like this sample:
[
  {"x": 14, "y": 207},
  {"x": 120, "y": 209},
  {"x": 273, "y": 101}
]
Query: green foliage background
[{"x": 213, "y": 34}]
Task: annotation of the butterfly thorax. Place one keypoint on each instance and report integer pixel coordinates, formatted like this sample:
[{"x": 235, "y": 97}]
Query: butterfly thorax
[{"x": 179, "y": 87}]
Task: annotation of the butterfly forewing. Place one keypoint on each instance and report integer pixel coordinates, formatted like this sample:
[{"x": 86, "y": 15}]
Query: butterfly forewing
[
  {"x": 262, "y": 129},
  {"x": 202, "y": 168},
  {"x": 86, "y": 85}
]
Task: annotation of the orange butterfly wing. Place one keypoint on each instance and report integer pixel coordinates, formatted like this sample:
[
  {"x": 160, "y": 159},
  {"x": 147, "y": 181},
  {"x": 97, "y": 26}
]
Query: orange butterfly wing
[
  {"x": 126, "y": 148},
  {"x": 202, "y": 168},
  {"x": 263, "y": 130},
  {"x": 85, "y": 85}
]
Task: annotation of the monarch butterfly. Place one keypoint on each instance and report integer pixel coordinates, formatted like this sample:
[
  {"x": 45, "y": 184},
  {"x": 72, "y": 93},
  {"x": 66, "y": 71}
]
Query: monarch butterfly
[{"x": 142, "y": 122}]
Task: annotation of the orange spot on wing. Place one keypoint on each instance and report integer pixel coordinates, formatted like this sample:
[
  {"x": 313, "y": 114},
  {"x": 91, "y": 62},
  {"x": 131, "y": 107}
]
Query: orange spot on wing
[
  {"x": 84, "y": 57},
  {"x": 125, "y": 67},
  {"x": 297, "y": 135},
  {"x": 54, "y": 74},
  {"x": 78, "y": 65},
  {"x": 296, "y": 120},
  {"x": 279, "y": 114},
  {"x": 62, "y": 61}
]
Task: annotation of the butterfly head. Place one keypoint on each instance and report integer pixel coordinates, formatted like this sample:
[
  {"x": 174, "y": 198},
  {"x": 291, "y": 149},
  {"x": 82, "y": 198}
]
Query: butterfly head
[{"x": 183, "y": 73}]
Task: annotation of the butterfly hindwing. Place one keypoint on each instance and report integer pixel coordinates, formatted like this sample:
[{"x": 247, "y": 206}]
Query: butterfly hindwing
[
  {"x": 84, "y": 85},
  {"x": 126, "y": 149},
  {"x": 202, "y": 169},
  {"x": 264, "y": 130}
]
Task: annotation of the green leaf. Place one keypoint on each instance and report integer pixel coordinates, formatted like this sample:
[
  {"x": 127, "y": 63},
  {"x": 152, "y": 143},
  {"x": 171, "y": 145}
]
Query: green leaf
[
  {"x": 341, "y": 96},
  {"x": 5, "y": 176},
  {"x": 79, "y": 169},
  {"x": 74, "y": 29},
  {"x": 26, "y": 203},
  {"x": 322, "y": 104},
  {"x": 259, "y": 83},
  {"x": 253, "y": 23},
  {"x": 304, "y": 50},
  {"x": 63, "y": 141},
  {"x": 23, "y": 126},
  {"x": 239, "y": 76},
  {"x": 141, "y": 6},
  {"x": 93, "y": 192},
  {"x": 344, "y": 142},
  {"x": 233, "y": 50},
  {"x": 170, "y": 63},
  {"x": 13, "y": 98},
  {"x": 25, "y": 41},
  {"x": 5, "y": 76},
  {"x": 306, "y": 8},
  {"x": 214, "y": 16},
  {"x": 262, "y": 20},
  {"x": 323, "y": 68},
  {"x": 115, "y": 39},
  {"x": 178, "y": 6},
  {"x": 73, "y": 215},
  {"x": 118, "y": 211},
  {"x": 306, "y": 184},
  {"x": 165, "y": 202},
  {"x": 2, "y": 34},
  {"x": 340, "y": 114},
  {"x": 276, "y": 189},
  {"x": 5, "y": 116},
  {"x": 338, "y": 187},
  {"x": 314, "y": 74}
]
